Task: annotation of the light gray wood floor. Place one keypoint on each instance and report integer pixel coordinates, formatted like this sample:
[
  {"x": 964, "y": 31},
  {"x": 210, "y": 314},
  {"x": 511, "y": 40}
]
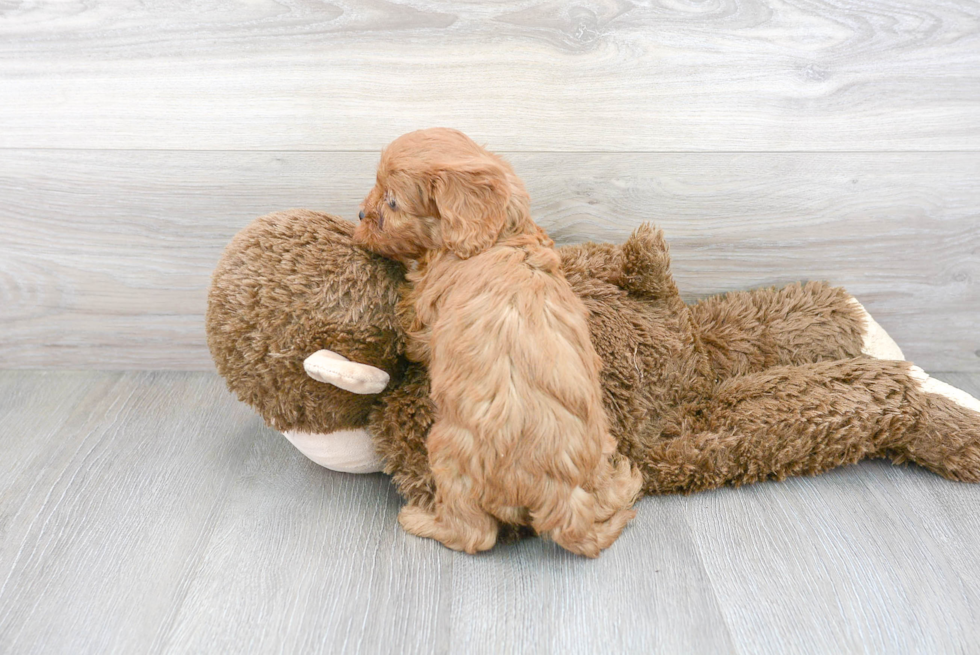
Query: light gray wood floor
[{"x": 152, "y": 512}]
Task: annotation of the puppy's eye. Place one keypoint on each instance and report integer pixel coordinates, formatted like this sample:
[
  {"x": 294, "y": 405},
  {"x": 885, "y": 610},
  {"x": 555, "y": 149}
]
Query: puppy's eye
[{"x": 391, "y": 203}]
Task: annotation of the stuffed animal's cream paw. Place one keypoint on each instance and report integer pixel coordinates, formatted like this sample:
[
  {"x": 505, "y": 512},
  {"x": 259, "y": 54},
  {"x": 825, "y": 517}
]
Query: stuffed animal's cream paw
[
  {"x": 930, "y": 384},
  {"x": 877, "y": 343}
]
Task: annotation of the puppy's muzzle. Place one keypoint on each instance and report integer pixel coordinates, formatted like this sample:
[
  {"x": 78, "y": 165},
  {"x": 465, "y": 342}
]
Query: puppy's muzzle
[{"x": 379, "y": 219}]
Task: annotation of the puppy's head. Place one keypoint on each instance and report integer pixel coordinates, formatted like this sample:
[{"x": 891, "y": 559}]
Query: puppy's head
[{"x": 438, "y": 190}]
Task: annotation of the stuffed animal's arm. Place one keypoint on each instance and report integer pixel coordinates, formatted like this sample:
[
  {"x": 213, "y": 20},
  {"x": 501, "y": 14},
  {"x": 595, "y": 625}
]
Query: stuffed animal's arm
[
  {"x": 749, "y": 331},
  {"x": 646, "y": 267}
]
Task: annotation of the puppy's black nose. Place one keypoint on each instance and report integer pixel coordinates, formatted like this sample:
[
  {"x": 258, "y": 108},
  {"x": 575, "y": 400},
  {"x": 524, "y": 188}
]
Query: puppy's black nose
[{"x": 361, "y": 215}]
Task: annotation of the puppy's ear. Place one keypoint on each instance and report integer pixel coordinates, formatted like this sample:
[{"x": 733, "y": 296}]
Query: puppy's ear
[{"x": 472, "y": 206}]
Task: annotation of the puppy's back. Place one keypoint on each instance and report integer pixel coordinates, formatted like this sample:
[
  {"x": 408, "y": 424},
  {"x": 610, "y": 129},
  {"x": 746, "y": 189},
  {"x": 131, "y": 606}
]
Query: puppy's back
[{"x": 513, "y": 363}]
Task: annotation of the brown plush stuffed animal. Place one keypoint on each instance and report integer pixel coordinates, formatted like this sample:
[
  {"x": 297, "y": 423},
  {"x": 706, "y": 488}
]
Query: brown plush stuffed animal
[{"x": 734, "y": 389}]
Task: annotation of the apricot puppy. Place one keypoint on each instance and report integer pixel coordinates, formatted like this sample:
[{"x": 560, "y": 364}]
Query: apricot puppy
[{"x": 521, "y": 435}]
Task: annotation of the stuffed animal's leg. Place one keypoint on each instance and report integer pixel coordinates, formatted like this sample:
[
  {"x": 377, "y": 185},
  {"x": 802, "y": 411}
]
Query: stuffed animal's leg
[
  {"x": 946, "y": 439},
  {"x": 875, "y": 342},
  {"x": 799, "y": 420},
  {"x": 640, "y": 266},
  {"x": 749, "y": 331}
]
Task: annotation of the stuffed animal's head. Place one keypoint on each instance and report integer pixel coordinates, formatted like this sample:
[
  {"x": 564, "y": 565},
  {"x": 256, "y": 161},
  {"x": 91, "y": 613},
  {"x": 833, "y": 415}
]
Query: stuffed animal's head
[{"x": 290, "y": 284}]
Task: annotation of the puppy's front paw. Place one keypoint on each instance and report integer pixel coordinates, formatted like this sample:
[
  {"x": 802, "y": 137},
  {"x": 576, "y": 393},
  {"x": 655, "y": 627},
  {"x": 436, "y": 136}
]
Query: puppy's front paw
[{"x": 455, "y": 534}]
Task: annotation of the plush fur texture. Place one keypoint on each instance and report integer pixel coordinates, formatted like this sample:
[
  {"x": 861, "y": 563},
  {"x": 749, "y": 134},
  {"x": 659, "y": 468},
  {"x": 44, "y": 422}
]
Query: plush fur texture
[
  {"x": 276, "y": 297},
  {"x": 521, "y": 435},
  {"x": 735, "y": 389}
]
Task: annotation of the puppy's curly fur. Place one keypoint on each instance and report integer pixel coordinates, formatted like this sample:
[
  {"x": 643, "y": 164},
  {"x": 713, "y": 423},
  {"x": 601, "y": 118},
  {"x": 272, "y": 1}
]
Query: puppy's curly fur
[{"x": 521, "y": 435}]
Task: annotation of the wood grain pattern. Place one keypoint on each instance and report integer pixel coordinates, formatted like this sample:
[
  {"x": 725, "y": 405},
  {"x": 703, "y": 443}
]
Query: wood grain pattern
[
  {"x": 105, "y": 256},
  {"x": 599, "y": 75},
  {"x": 112, "y": 510},
  {"x": 152, "y": 513},
  {"x": 848, "y": 586}
]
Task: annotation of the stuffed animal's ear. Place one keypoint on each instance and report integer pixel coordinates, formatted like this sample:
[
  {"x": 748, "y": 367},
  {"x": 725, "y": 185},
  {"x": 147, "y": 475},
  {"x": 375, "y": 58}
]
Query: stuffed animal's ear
[
  {"x": 472, "y": 206},
  {"x": 333, "y": 368}
]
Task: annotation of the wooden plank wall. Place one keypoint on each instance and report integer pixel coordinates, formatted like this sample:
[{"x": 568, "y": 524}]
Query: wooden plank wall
[{"x": 774, "y": 141}]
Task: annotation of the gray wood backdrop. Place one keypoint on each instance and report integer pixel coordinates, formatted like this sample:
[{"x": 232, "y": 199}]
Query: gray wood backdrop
[{"x": 803, "y": 139}]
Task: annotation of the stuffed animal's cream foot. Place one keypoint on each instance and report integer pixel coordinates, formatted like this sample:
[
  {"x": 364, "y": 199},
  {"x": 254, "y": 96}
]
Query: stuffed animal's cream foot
[
  {"x": 877, "y": 343},
  {"x": 349, "y": 451},
  {"x": 930, "y": 384}
]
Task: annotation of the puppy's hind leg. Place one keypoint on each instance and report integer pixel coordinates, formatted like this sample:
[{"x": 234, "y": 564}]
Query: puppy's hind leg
[
  {"x": 618, "y": 486},
  {"x": 567, "y": 517},
  {"x": 458, "y": 521}
]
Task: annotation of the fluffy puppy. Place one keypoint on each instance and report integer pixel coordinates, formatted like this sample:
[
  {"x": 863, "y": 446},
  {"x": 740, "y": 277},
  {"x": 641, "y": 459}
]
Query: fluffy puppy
[{"x": 520, "y": 435}]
